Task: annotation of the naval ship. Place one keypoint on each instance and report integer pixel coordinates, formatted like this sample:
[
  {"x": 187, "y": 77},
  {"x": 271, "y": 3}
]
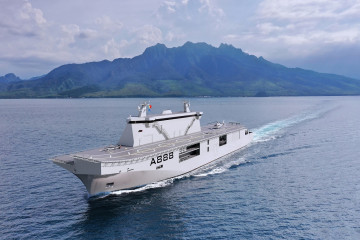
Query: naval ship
[{"x": 154, "y": 148}]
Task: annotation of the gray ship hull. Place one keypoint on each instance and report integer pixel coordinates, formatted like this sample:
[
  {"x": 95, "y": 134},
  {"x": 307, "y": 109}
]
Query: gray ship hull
[
  {"x": 96, "y": 184},
  {"x": 166, "y": 161},
  {"x": 154, "y": 148}
]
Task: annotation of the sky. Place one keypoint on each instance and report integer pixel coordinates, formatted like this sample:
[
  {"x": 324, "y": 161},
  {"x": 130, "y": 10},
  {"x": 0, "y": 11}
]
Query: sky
[{"x": 37, "y": 36}]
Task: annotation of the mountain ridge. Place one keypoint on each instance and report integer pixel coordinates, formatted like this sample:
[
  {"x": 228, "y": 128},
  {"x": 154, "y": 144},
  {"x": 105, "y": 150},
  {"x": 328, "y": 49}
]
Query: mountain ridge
[
  {"x": 194, "y": 69},
  {"x": 8, "y": 78}
]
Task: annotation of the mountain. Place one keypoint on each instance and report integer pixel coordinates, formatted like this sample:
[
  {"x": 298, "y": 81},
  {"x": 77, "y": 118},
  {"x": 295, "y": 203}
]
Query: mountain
[
  {"x": 194, "y": 69},
  {"x": 8, "y": 78}
]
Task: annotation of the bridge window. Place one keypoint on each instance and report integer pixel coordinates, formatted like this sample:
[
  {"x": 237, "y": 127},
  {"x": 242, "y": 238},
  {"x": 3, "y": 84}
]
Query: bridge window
[{"x": 222, "y": 140}]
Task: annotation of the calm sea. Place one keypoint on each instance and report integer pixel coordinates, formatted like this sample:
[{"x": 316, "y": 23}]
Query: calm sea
[{"x": 299, "y": 179}]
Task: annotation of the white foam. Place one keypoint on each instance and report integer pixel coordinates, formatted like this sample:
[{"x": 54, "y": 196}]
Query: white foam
[
  {"x": 210, "y": 170},
  {"x": 154, "y": 185},
  {"x": 264, "y": 139},
  {"x": 146, "y": 187},
  {"x": 214, "y": 171},
  {"x": 270, "y": 131}
]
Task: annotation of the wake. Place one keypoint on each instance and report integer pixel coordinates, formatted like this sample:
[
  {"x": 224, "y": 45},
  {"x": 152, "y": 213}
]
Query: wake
[{"x": 270, "y": 131}]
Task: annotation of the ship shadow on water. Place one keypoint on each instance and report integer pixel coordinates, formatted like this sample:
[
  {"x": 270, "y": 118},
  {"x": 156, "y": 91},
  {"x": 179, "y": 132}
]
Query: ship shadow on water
[{"x": 129, "y": 215}]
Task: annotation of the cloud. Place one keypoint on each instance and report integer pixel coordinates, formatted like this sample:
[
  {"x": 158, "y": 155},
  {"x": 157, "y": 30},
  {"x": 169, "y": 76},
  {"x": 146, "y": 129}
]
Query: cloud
[
  {"x": 70, "y": 32},
  {"x": 148, "y": 35},
  {"x": 211, "y": 9},
  {"x": 29, "y": 40},
  {"x": 107, "y": 23},
  {"x": 73, "y": 33},
  {"x": 29, "y": 13},
  {"x": 189, "y": 20},
  {"x": 22, "y": 29},
  {"x": 299, "y": 10},
  {"x": 311, "y": 21},
  {"x": 19, "y": 18},
  {"x": 112, "y": 48},
  {"x": 170, "y": 6},
  {"x": 268, "y": 27},
  {"x": 170, "y": 36},
  {"x": 301, "y": 27},
  {"x": 87, "y": 34}
]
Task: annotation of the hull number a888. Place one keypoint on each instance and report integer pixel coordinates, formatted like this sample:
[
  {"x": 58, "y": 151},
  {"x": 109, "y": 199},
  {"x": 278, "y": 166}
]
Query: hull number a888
[{"x": 162, "y": 158}]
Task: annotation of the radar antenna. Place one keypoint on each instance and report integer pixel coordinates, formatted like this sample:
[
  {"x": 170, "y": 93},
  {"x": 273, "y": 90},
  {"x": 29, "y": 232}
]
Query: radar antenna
[{"x": 186, "y": 106}]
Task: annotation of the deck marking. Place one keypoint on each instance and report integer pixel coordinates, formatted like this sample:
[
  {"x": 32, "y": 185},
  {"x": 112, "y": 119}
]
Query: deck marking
[
  {"x": 166, "y": 145},
  {"x": 146, "y": 150}
]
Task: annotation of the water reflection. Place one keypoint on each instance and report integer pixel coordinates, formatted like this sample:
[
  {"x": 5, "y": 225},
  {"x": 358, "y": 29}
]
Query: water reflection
[{"x": 137, "y": 215}]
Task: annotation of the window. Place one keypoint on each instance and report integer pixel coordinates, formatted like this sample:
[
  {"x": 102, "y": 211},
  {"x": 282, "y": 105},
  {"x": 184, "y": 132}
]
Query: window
[
  {"x": 246, "y": 132},
  {"x": 222, "y": 140},
  {"x": 208, "y": 149},
  {"x": 108, "y": 185},
  {"x": 190, "y": 152}
]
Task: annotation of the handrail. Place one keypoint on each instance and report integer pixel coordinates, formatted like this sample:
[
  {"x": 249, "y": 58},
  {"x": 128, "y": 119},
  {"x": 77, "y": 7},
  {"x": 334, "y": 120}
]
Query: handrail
[
  {"x": 189, "y": 126},
  {"x": 162, "y": 131}
]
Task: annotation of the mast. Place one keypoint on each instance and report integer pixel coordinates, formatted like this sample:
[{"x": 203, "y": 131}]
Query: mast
[
  {"x": 186, "y": 106},
  {"x": 142, "y": 109}
]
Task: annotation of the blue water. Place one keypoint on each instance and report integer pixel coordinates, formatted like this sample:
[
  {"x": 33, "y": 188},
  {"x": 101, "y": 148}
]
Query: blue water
[{"x": 299, "y": 179}]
